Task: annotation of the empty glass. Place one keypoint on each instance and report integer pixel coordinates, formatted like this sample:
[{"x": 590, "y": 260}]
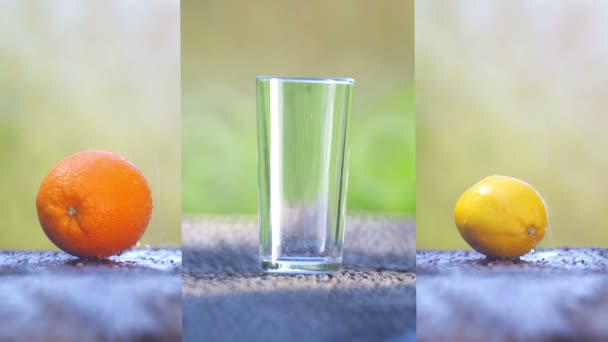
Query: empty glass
[{"x": 303, "y": 154}]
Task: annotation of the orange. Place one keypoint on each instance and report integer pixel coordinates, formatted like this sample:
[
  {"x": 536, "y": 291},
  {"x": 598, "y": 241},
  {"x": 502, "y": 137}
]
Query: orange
[
  {"x": 501, "y": 217},
  {"x": 94, "y": 204}
]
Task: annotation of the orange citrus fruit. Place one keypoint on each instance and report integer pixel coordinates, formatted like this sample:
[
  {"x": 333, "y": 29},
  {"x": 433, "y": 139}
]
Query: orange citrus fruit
[
  {"x": 501, "y": 217},
  {"x": 94, "y": 204}
]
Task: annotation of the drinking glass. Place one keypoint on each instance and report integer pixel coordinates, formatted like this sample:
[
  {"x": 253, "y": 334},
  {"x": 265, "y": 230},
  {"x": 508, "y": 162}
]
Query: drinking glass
[{"x": 303, "y": 157}]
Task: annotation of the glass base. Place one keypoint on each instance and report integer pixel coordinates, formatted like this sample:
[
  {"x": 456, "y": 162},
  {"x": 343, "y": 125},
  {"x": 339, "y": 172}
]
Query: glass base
[{"x": 302, "y": 265}]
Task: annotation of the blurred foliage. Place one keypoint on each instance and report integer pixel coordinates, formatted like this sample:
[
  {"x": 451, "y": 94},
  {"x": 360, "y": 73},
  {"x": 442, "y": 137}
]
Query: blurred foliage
[
  {"x": 514, "y": 88},
  {"x": 226, "y": 44},
  {"x": 80, "y": 75}
]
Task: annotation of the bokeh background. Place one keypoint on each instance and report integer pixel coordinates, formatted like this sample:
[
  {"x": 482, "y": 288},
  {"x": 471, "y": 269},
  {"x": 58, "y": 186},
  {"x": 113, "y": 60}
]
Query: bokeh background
[
  {"x": 76, "y": 75},
  {"x": 516, "y": 88},
  {"x": 226, "y": 44}
]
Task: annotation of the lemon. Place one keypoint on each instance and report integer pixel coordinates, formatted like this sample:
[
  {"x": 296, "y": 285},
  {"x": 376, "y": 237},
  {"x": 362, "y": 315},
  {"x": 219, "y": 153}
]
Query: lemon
[{"x": 501, "y": 216}]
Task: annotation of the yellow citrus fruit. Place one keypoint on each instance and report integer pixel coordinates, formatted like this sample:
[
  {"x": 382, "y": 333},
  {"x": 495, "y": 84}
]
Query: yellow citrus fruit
[{"x": 501, "y": 216}]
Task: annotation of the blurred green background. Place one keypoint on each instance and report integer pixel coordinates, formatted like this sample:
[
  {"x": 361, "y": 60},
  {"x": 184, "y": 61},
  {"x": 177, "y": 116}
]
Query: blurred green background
[
  {"x": 226, "y": 44},
  {"x": 77, "y": 75},
  {"x": 515, "y": 88}
]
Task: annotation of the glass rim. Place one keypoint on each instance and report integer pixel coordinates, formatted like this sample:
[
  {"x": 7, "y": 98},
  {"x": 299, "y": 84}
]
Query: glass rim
[{"x": 323, "y": 80}]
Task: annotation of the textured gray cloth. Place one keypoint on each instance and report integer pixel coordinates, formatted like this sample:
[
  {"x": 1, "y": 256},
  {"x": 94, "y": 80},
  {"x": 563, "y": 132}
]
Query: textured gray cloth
[
  {"x": 228, "y": 298},
  {"x": 51, "y": 296},
  {"x": 550, "y": 295}
]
